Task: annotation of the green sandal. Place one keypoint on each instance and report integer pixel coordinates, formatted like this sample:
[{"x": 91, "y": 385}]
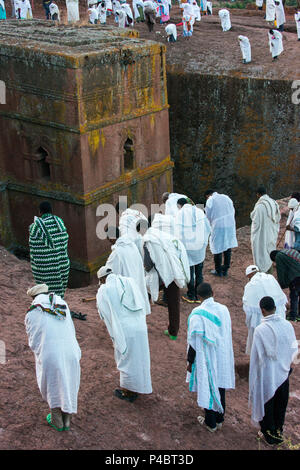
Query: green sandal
[{"x": 48, "y": 418}]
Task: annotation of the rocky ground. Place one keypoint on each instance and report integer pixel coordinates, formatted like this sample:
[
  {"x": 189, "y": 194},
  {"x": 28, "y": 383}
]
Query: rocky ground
[{"x": 167, "y": 419}]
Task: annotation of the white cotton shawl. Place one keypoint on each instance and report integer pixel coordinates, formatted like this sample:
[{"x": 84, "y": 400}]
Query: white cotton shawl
[
  {"x": 279, "y": 14},
  {"x": 203, "y": 334},
  {"x": 221, "y": 215},
  {"x": 275, "y": 43},
  {"x": 193, "y": 229},
  {"x": 170, "y": 259},
  {"x": 171, "y": 29},
  {"x": 127, "y": 226},
  {"x": 270, "y": 10},
  {"x": 225, "y": 19},
  {"x": 289, "y": 239},
  {"x": 54, "y": 9},
  {"x": 197, "y": 12},
  {"x": 245, "y": 48},
  {"x": 264, "y": 231},
  {"x": 297, "y": 19},
  {"x": 259, "y": 3},
  {"x": 273, "y": 350},
  {"x": 259, "y": 286},
  {"x": 125, "y": 259},
  {"x": 57, "y": 354},
  {"x": 72, "y": 10},
  {"x": 135, "y": 4},
  {"x": 171, "y": 203},
  {"x": 121, "y": 306},
  {"x": 164, "y": 222}
]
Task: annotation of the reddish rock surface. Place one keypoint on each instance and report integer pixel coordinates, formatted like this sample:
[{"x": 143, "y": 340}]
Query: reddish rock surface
[{"x": 167, "y": 419}]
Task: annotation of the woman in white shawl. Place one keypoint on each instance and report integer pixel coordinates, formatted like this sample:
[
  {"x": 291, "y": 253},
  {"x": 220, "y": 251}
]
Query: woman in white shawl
[
  {"x": 196, "y": 11},
  {"x": 275, "y": 43},
  {"x": 245, "y": 48},
  {"x": 259, "y": 4},
  {"x": 54, "y": 12},
  {"x": 25, "y": 10},
  {"x": 273, "y": 351},
  {"x": 138, "y": 10},
  {"x": 259, "y": 286},
  {"x": 52, "y": 338},
  {"x": 297, "y": 19},
  {"x": 279, "y": 15},
  {"x": 224, "y": 16},
  {"x": 289, "y": 240},
  {"x": 121, "y": 306},
  {"x": 171, "y": 32},
  {"x": 270, "y": 10},
  {"x": 129, "y": 22},
  {"x": 72, "y": 10}
]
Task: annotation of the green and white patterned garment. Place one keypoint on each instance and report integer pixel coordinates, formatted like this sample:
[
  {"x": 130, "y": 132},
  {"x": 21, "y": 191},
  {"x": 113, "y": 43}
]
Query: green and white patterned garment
[{"x": 48, "y": 242}]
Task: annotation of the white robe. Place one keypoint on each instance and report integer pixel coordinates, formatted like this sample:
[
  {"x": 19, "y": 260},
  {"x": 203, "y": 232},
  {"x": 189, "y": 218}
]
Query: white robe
[
  {"x": 125, "y": 259},
  {"x": 102, "y": 14},
  {"x": 275, "y": 43},
  {"x": 259, "y": 286},
  {"x": 121, "y": 18},
  {"x": 135, "y": 4},
  {"x": 279, "y": 14},
  {"x": 203, "y": 335},
  {"x": 170, "y": 259},
  {"x": 259, "y": 3},
  {"x": 197, "y": 12},
  {"x": 128, "y": 12},
  {"x": 264, "y": 231},
  {"x": 93, "y": 14},
  {"x": 273, "y": 350},
  {"x": 73, "y": 10},
  {"x": 171, "y": 203},
  {"x": 297, "y": 19},
  {"x": 171, "y": 29},
  {"x": 270, "y": 10},
  {"x": 25, "y": 10},
  {"x": 57, "y": 354},
  {"x": 220, "y": 213},
  {"x": 53, "y": 8},
  {"x": 209, "y": 7},
  {"x": 225, "y": 19},
  {"x": 121, "y": 306},
  {"x": 289, "y": 239},
  {"x": 245, "y": 48},
  {"x": 131, "y": 217},
  {"x": 193, "y": 229}
]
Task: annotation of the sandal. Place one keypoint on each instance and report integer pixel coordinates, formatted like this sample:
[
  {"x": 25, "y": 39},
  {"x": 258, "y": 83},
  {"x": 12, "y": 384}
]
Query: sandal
[
  {"x": 79, "y": 315},
  {"x": 48, "y": 418},
  {"x": 201, "y": 420},
  {"x": 121, "y": 394}
]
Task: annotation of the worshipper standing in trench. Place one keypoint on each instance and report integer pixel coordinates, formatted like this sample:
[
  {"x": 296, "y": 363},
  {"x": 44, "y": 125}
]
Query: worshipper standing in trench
[
  {"x": 197, "y": 12},
  {"x": 138, "y": 10},
  {"x": 270, "y": 11},
  {"x": 188, "y": 19},
  {"x": 275, "y": 43},
  {"x": 125, "y": 260},
  {"x": 273, "y": 351},
  {"x": 115, "y": 6},
  {"x": 25, "y": 10},
  {"x": 193, "y": 229},
  {"x": 210, "y": 369},
  {"x": 289, "y": 239},
  {"x": 288, "y": 275},
  {"x": 171, "y": 32},
  {"x": 72, "y": 10},
  {"x": 224, "y": 16},
  {"x": 129, "y": 22},
  {"x": 220, "y": 212},
  {"x": 48, "y": 243},
  {"x": 279, "y": 15},
  {"x": 294, "y": 227},
  {"x": 54, "y": 12},
  {"x": 167, "y": 266},
  {"x": 259, "y": 4},
  {"x": 93, "y": 12},
  {"x": 52, "y": 338},
  {"x": 150, "y": 14},
  {"x": 245, "y": 48},
  {"x": 121, "y": 306},
  {"x": 297, "y": 19},
  {"x": 264, "y": 229},
  {"x": 101, "y": 12},
  {"x": 259, "y": 285},
  {"x": 2, "y": 10}
]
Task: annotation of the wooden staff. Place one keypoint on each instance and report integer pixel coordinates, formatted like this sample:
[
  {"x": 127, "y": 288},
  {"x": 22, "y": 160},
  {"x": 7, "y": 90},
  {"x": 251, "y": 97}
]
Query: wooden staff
[
  {"x": 89, "y": 299},
  {"x": 281, "y": 238}
]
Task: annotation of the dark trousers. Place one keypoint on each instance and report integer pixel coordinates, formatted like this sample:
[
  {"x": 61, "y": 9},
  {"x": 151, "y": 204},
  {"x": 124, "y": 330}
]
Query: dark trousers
[
  {"x": 173, "y": 300},
  {"x": 222, "y": 269},
  {"x": 213, "y": 417},
  {"x": 275, "y": 409},
  {"x": 195, "y": 281},
  {"x": 295, "y": 298}
]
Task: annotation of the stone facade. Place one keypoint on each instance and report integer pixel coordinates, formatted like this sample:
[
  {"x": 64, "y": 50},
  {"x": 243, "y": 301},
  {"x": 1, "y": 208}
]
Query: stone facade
[{"x": 85, "y": 120}]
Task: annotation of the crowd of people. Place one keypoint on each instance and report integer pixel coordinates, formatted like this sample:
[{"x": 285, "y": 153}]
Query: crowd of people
[{"x": 158, "y": 259}]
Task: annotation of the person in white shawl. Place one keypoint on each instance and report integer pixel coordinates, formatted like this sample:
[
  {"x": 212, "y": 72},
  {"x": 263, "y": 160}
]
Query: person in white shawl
[
  {"x": 125, "y": 259},
  {"x": 224, "y": 16},
  {"x": 129, "y": 15},
  {"x": 138, "y": 10},
  {"x": 54, "y": 12},
  {"x": 259, "y": 286},
  {"x": 275, "y": 43},
  {"x": 25, "y": 10},
  {"x": 220, "y": 212},
  {"x": 116, "y": 7},
  {"x": 52, "y": 338},
  {"x": 264, "y": 229},
  {"x": 270, "y": 10},
  {"x": 167, "y": 266},
  {"x": 171, "y": 32},
  {"x": 297, "y": 19},
  {"x": 245, "y": 48},
  {"x": 279, "y": 15},
  {"x": 259, "y": 4},
  {"x": 193, "y": 229},
  {"x": 289, "y": 240},
  {"x": 274, "y": 349},
  {"x": 120, "y": 18},
  {"x": 130, "y": 223},
  {"x": 210, "y": 357},
  {"x": 121, "y": 306},
  {"x": 93, "y": 12},
  {"x": 72, "y": 10},
  {"x": 170, "y": 201},
  {"x": 197, "y": 12}
]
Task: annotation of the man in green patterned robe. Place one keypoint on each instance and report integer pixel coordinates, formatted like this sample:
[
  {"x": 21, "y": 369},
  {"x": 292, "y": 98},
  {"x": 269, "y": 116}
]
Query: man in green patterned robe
[{"x": 48, "y": 243}]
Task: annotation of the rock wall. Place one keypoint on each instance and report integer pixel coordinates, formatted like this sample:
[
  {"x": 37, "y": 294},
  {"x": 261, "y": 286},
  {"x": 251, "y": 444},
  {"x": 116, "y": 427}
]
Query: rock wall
[{"x": 233, "y": 133}]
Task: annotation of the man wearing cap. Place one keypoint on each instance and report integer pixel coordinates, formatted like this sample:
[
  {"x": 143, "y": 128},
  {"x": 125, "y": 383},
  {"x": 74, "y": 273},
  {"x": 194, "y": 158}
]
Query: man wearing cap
[
  {"x": 288, "y": 275},
  {"x": 121, "y": 305},
  {"x": 52, "y": 338},
  {"x": 273, "y": 350},
  {"x": 260, "y": 285}
]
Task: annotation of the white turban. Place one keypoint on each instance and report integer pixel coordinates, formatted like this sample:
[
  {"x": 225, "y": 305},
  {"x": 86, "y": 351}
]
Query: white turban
[
  {"x": 293, "y": 203},
  {"x": 104, "y": 271},
  {"x": 38, "y": 289}
]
